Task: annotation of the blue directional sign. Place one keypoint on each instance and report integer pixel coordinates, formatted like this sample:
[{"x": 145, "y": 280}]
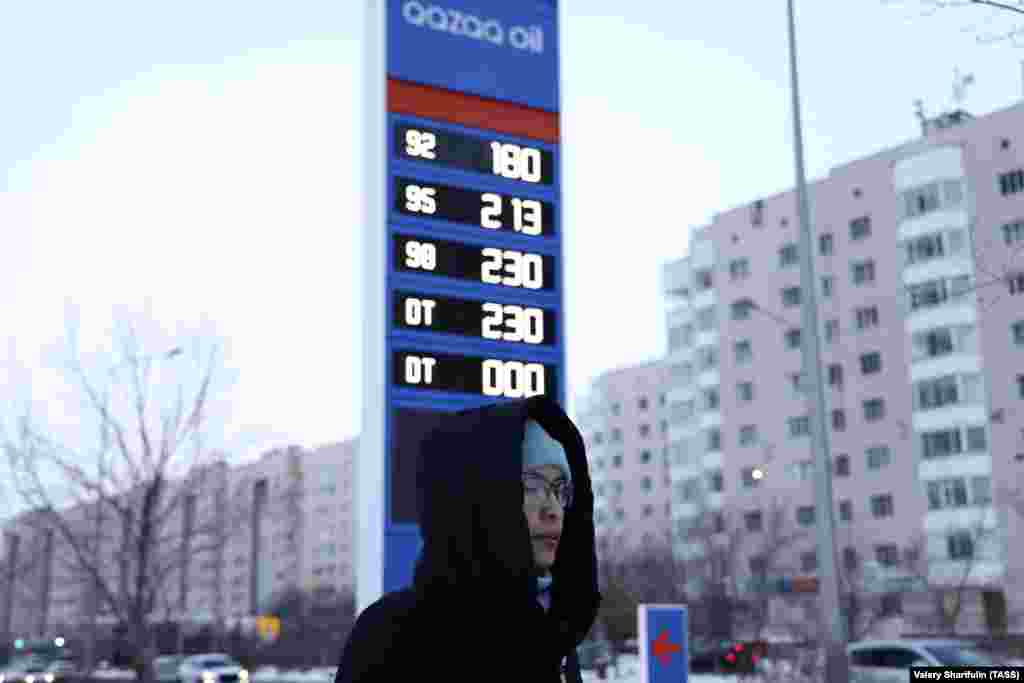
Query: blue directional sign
[
  {"x": 663, "y": 632},
  {"x": 470, "y": 214}
]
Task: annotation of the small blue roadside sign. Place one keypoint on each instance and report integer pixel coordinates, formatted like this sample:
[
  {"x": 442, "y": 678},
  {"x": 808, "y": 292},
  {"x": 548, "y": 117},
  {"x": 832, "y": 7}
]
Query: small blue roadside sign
[{"x": 663, "y": 635}]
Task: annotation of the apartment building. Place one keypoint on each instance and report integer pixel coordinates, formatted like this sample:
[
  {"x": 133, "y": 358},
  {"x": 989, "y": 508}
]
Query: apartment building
[
  {"x": 624, "y": 420},
  {"x": 919, "y": 256},
  {"x": 231, "y": 539}
]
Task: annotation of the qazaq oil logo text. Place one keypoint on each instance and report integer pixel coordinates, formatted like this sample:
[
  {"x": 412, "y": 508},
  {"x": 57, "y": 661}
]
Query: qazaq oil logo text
[{"x": 528, "y": 38}]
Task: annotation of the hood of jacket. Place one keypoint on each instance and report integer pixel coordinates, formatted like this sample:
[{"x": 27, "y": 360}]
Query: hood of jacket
[{"x": 476, "y": 542}]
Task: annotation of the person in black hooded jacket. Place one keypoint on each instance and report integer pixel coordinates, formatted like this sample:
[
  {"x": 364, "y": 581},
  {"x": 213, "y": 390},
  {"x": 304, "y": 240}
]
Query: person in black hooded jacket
[{"x": 494, "y": 596}]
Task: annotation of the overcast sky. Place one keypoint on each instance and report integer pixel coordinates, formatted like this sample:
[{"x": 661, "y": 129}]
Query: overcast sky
[{"x": 201, "y": 161}]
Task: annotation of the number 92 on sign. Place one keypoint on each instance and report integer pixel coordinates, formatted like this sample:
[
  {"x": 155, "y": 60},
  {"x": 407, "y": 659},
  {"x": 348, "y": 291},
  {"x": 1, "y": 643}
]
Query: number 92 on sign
[{"x": 493, "y": 377}]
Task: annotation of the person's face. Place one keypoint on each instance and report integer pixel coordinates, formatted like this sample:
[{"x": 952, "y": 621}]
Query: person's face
[{"x": 544, "y": 515}]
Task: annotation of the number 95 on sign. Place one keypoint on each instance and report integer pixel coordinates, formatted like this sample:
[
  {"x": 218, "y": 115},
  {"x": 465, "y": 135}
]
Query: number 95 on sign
[{"x": 476, "y": 375}]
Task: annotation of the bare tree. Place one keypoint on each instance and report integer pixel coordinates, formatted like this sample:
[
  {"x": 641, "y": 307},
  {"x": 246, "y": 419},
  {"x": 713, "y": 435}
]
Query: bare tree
[
  {"x": 116, "y": 506},
  {"x": 991, "y": 21},
  {"x": 649, "y": 574},
  {"x": 947, "y": 594}
]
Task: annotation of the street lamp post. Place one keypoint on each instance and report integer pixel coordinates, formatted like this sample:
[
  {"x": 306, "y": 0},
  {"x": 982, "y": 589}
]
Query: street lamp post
[{"x": 837, "y": 668}]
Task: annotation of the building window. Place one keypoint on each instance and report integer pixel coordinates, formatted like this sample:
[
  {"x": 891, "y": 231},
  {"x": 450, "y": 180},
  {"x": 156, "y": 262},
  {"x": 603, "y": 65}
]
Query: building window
[
  {"x": 809, "y": 562},
  {"x": 642, "y": 403},
  {"x": 866, "y": 317},
  {"x": 793, "y": 338},
  {"x": 617, "y": 460},
  {"x": 716, "y": 481},
  {"x": 743, "y": 352},
  {"x": 663, "y": 425},
  {"x": 757, "y": 213},
  {"x": 936, "y": 393},
  {"x": 841, "y": 467},
  {"x": 927, "y": 294},
  {"x": 791, "y": 296},
  {"x": 758, "y": 565},
  {"x": 825, "y": 244},
  {"x": 1016, "y": 282},
  {"x": 831, "y": 331},
  {"x": 850, "y": 559},
  {"x": 788, "y": 256},
  {"x": 799, "y": 426},
  {"x": 1013, "y": 232},
  {"x": 860, "y": 228},
  {"x": 960, "y": 545},
  {"x": 741, "y": 309},
  {"x": 739, "y": 269},
  {"x": 747, "y": 478},
  {"x": 745, "y": 391},
  {"x": 711, "y": 399},
  {"x": 838, "y": 420},
  {"x": 882, "y": 506},
  {"x": 748, "y": 435},
  {"x": 645, "y": 457},
  {"x": 827, "y": 286},
  {"x": 645, "y": 430},
  {"x": 703, "y": 280},
  {"x": 714, "y": 439},
  {"x": 648, "y": 510},
  {"x": 805, "y": 515},
  {"x": 932, "y": 343},
  {"x": 874, "y": 409},
  {"x": 887, "y": 555},
  {"x": 947, "y": 493},
  {"x": 835, "y": 376},
  {"x": 921, "y": 200},
  {"x": 845, "y": 511},
  {"x": 616, "y": 434},
  {"x": 646, "y": 484},
  {"x": 863, "y": 272},
  {"x": 870, "y": 363},
  {"x": 1017, "y": 332},
  {"x": 1020, "y": 386},
  {"x": 1011, "y": 182},
  {"x": 878, "y": 457},
  {"x": 924, "y": 248},
  {"x": 620, "y": 515},
  {"x": 796, "y": 383},
  {"x": 754, "y": 521}
]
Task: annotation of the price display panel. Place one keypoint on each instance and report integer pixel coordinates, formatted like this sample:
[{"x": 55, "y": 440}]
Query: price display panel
[
  {"x": 472, "y": 208},
  {"x": 477, "y": 319}
]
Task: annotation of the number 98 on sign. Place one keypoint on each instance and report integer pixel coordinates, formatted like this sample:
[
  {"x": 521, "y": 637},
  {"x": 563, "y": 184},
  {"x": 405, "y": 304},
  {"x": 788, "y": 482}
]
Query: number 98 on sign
[{"x": 493, "y": 377}]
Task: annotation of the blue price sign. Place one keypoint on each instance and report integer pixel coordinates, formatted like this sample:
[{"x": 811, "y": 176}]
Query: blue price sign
[
  {"x": 664, "y": 644},
  {"x": 464, "y": 235}
]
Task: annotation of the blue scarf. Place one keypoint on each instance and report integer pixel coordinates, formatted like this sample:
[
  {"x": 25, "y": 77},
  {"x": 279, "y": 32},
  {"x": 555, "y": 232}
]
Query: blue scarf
[{"x": 544, "y": 590}]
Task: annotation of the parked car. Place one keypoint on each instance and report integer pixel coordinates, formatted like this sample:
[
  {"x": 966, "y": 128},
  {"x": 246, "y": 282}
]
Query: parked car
[
  {"x": 165, "y": 668},
  {"x": 880, "y": 661},
  {"x": 211, "y": 668},
  {"x": 27, "y": 670}
]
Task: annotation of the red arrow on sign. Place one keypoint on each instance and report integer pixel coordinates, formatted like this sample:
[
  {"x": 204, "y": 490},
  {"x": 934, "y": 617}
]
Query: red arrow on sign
[{"x": 663, "y": 649}]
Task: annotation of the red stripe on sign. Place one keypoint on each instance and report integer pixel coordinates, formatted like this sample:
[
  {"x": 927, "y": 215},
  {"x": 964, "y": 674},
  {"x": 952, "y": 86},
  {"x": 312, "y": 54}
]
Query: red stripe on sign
[{"x": 449, "y": 106}]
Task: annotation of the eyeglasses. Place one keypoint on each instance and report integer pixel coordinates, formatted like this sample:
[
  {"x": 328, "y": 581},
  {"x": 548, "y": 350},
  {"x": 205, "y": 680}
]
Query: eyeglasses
[{"x": 536, "y": 488}]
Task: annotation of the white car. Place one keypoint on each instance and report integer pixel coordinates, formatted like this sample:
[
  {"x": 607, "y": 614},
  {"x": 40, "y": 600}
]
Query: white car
[
  {"x": 874, "y": 661},
  {"x": 211, "y": 668}
]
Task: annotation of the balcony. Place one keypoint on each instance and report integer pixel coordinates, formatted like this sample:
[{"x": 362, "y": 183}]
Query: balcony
[{"x": 676, "y": 277}]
